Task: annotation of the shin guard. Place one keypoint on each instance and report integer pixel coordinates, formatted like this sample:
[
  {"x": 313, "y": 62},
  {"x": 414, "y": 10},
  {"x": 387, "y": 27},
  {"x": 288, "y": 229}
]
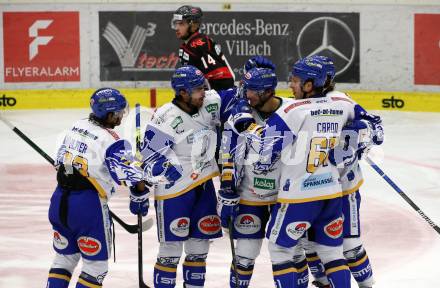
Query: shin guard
[
  {"x": 164, "y": 276},
  {"x": 58, "y": 278},
  {"x": 338, "y": 273}
]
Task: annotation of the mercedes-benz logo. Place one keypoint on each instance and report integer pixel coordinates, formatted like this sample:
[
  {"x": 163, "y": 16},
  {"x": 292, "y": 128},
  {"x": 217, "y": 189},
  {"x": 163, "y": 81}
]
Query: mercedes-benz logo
[{"x": 316, "y": 34}]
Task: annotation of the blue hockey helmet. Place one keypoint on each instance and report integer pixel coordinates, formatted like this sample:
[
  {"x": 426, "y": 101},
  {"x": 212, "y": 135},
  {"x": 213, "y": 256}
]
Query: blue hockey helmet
[
  {"x": 106, "y": 100},
  {"x": 187, "y": 78},
  {"x": 260, "y": 79},
  {"x": 310, "y": 69},
  {"x": 328, "y": 65}
]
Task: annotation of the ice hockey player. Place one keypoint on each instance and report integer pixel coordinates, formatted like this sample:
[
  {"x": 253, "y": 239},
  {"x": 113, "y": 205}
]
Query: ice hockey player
[
  {"x": 310, "y": 195},
  {"x": 248, "y": 186},
  {"x": 89, "y": 161},
  {"x": 179, "y": 146},
  {"x": 359, "y": 136},
  {"x": 199, "y": 50}
]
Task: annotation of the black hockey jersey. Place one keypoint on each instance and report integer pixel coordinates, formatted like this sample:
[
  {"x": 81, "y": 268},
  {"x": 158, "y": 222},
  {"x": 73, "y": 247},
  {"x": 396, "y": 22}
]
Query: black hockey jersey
[{"x": 200, "y": 51}]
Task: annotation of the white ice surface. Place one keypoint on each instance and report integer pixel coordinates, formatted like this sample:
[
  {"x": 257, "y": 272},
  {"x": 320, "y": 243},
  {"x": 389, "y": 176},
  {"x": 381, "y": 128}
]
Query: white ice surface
[{"x": 403, "y": 248}]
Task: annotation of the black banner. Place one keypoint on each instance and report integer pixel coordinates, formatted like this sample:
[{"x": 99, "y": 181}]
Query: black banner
[{"x": 141, "y": 46}]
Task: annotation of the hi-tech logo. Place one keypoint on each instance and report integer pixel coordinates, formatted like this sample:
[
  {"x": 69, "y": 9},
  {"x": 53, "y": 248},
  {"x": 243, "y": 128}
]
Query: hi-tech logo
[
  {"x": 39, "y": 40},
  {"x": 128, "y": 51}
]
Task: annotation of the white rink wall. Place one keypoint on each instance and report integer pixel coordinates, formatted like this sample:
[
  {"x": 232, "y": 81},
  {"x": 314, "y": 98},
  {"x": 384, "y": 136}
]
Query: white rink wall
[{"x": 386, "y": 37}]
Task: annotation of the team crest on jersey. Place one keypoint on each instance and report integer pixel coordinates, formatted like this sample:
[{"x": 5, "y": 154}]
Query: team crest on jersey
[
  {"x": 248, "y": 224},
  {"x": 198, "y": 42},
  {"x": 180, "y": 226},
  {"x": 334, "y": 228},
  {"x": 296, "y": 229},
  {"x": 266, "y": 167},
  {"x": 59, "y": 241},
  {"x": 209, "y": 225},
  {"x": 89, "y": 246}
]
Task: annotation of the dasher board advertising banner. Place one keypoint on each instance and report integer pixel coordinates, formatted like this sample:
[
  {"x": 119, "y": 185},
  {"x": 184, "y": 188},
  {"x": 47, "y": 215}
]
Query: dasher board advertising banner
[
  {"x": 427, "y": 49},
  {"x": 41, "y": 46},
  {"x": 141, "y": 46}
]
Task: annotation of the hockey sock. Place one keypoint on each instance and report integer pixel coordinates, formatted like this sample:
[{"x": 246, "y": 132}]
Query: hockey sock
[
  {"x": 302, "y": 274},
  {"x": 284, "y": 275},
  {"x": 58, "y": 278},
  {"x": 338, "y": 273},
  {"x": 317, "y": 268},
  {"x": 360, "y": 268},
  {"x": 244, "y": 276},
  {"x": 165, "y": 276},
  {"x": 194, "y": 272},
  {"x": 87, "y": 281}
]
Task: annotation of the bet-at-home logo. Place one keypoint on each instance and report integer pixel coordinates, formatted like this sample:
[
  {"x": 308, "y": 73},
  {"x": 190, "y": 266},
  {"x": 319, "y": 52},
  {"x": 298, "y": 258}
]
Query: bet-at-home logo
[
  {"x": 263, "y": 183},
  {"x": 211, "y": 107}
]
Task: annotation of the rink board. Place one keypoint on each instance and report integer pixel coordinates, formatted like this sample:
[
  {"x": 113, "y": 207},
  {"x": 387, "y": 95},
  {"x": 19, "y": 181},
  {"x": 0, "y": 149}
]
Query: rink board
[{"x": 156, "y": 97}]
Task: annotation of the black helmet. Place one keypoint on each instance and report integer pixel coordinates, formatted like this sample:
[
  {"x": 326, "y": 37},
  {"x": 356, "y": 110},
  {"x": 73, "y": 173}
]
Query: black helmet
[{"x": 189, "y": 13}]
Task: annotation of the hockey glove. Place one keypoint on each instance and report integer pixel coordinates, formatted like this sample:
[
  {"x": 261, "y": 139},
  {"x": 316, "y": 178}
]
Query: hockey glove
[
  {"x": 227, "y": 206},
  {"x": 354, "y": 139},
  {"x": 242, "y": 115},
  {"x": 164, "y": 167},
  {"x": 259, "y": 62},
  {"x": 139, "y": 202}
]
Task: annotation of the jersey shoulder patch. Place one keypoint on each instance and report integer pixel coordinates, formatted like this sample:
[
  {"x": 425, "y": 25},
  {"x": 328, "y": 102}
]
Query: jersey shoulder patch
[{"x": 163, "y": 114}]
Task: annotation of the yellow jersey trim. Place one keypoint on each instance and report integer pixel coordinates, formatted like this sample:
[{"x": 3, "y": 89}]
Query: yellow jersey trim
[
  {"x": 354, "y": 189},
  {"x": 311, "y": 199},
  {"x": 255, "y": 203},
  {"x": 98, "y": 187}
]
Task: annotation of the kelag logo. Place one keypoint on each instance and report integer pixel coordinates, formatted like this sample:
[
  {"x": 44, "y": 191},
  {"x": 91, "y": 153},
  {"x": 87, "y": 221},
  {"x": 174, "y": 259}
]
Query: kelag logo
[
  {"x": 393, "y": 103},
  {"x": 7, "y": 101}
]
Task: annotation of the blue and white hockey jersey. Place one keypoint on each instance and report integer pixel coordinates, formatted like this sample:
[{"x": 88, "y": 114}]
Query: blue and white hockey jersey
[
  {"x": 302, "y": 132},
  {"x": 256, "y": 181},
  {"x": 187, "y": 141},
  {"x": 98, "y": 154}
]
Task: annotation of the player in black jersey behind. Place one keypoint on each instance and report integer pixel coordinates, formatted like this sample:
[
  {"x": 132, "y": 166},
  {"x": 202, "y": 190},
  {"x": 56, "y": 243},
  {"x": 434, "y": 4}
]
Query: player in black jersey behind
[{"x": 199, "y": 50}]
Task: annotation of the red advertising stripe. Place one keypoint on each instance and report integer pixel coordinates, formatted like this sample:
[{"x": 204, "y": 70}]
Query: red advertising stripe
[
  {"x": 41, "y": 46},
  {"x": 427, "y": 49}
]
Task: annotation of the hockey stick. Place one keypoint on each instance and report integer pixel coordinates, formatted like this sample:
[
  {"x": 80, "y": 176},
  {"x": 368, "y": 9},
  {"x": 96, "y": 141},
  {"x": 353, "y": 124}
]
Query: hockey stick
[
  {"x": 234, "y": 259},
  {"x": 128, "y": 227},
  {"x": 139, "y": 216},
  {"x": 401, "y": 193}
]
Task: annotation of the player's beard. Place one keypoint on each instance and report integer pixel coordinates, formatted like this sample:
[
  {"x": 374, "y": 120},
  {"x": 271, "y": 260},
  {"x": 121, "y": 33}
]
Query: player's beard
[{"x": 261, "y": 102}]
